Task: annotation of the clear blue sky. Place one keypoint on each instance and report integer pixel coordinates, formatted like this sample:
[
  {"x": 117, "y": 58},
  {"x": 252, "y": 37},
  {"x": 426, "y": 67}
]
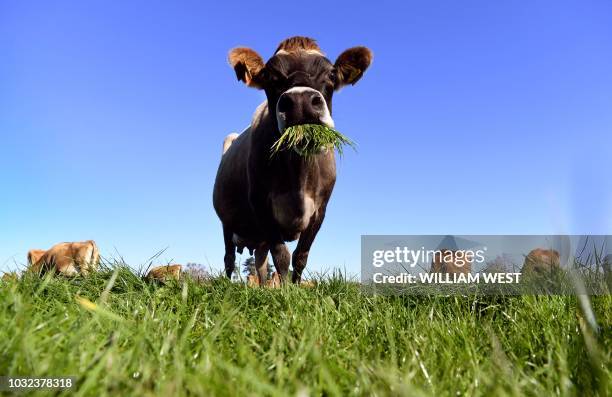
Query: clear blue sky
[{"x": 474, "y": 118}]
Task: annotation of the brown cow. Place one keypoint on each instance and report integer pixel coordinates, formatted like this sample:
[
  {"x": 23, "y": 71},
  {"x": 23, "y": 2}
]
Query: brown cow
[
  {"x": 451, "y": 261},
  {"x": 166, "y": 272},
  {"x": 262, "y": 201},
  {"x": 540, "y": 261},
  {"x": 251, "y": 280},
  {"x": 274, "y": 281},
  {"x": 69, "y": 259}
]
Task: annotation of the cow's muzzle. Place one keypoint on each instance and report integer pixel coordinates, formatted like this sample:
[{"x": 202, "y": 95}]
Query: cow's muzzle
[{"x": 302, "y": 105}]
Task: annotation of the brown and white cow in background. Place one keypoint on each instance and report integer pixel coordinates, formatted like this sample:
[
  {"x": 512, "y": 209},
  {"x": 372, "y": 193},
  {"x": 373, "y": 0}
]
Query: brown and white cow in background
[
  {"x": 67, "y": 259},
  {"x": 261, "y": 201}
]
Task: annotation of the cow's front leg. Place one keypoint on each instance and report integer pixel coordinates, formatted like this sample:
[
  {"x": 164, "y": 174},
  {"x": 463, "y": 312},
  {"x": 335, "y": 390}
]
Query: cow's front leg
[
  {"x": 281, "y": 258},
  {"x": 300, "y": 255}
]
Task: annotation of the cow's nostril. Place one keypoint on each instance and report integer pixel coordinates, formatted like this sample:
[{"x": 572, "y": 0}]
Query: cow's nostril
[
  {"x": 285, "y": 104},
  {"x": 316, "y": 101}
]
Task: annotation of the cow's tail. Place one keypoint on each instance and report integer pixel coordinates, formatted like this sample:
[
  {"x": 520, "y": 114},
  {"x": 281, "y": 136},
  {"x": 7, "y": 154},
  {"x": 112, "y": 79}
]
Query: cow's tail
[{"x": 227, "y": 142}]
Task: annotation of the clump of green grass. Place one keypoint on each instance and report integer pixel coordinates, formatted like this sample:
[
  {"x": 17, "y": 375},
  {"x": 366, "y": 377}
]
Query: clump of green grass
[
  {"x": 119, "y": 335},
  {"x": 310, "y": 139}
]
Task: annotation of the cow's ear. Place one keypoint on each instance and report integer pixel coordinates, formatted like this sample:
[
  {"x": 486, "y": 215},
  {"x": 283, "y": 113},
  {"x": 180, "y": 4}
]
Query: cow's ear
[
  {"x": 351, "y": 65},
  {"x": 248, "y": 66}
]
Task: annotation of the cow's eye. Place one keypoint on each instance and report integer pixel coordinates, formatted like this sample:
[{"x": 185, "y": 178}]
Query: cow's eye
[
  {"x": 333, "y": 78},
  {"x": 330, "y": 83},
  {"x": 275, "y": 77}
]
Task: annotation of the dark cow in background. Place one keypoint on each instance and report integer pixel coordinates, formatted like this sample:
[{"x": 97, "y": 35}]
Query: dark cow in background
[{"x": 262, "y": 201}]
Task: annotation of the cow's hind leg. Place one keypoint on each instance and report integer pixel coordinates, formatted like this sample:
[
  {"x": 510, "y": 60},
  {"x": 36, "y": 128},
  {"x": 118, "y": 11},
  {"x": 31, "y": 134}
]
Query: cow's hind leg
[
  {"x": 261, "y": 263},
  {"x": 281, "y": 258},
  {"x": 300, "y": 255},
  {"x": 230, "y": 251}
]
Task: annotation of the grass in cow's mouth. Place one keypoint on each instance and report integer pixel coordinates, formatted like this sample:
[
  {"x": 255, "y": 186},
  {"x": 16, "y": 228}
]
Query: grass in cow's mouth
[{"x": 309, "y": 139}]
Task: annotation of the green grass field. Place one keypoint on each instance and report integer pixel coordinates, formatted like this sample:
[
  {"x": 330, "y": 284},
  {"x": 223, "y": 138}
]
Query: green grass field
[{"x": 122, "y": 336}]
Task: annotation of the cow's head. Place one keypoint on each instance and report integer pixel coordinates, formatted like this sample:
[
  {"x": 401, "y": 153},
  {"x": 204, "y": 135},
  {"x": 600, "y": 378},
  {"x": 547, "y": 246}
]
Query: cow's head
[
  {"x": 299, "y": 80},
  {"x": 34, "y": 256}
]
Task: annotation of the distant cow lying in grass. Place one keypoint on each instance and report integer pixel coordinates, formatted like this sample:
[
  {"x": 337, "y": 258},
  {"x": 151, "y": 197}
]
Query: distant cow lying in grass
[
  {"x": 273, "y": 282},
  {"x": 164, "y": 273},
  {"x": 451, "y": 261},
  {"x": 67, "y": 259},
  {"x": 540, "y": 261},
  {"x": 263, "y": 201}
]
